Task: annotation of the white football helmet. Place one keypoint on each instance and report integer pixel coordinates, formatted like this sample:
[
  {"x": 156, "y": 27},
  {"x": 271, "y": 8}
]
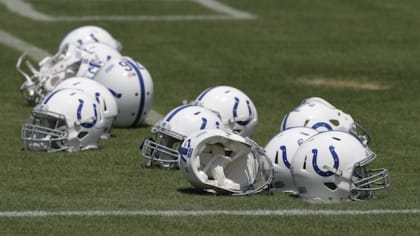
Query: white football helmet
[
  {"x": 71, "y": 61},
  {"x": 66, "y": 119},
  {"x": 102, "y": 95},
  {"x": 332, "y": 166},
  {"x": 90, "y": 34},
  {"x": 236, "y": 109},
  {"x": 172, "y": 130},
  {"x": 280, "y": 149},
  {"x": 103, "y": 52},
  {"x": 220, "y": 161},
  {"x": 132, "y": 86},
  {"x": 317, "y": 113}
]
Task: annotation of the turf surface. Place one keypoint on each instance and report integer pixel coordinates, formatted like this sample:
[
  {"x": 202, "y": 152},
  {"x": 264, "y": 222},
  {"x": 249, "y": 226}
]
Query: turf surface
[{"x": 271, "y": 58}]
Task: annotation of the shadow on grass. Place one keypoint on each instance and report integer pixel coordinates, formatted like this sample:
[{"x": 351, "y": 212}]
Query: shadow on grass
[{"x": 194, "y": 191}]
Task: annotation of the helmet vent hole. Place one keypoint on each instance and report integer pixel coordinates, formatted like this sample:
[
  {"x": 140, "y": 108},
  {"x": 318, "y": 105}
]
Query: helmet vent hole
[
  {"x": 335, "y": 122},
  {"x": 82, "y": 134},
  {"x": 276, "y": 159},
  {"x": 338, "y": 139},
  {"x": 330, "y": 186},
  {"x": 197, "y": 113}
]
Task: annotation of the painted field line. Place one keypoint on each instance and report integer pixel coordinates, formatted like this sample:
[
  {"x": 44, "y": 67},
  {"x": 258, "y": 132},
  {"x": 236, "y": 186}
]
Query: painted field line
[
  {"x": 25, "y": 9},
  {"x": 12, "y": 41},
  {"x": 224, "y": 9},
  {"x": 295, "y": 212}
]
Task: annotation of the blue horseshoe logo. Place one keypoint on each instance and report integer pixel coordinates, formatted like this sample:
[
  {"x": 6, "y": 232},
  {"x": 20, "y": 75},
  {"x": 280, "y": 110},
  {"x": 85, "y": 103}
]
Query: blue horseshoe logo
[
  {"x": 185, "y": 151},
  {"x": 315, "y": 165},
  {"x": 79, "y": 115},
  {"x": 235, "y": 112},
  {"x": 284, "y": 155}
]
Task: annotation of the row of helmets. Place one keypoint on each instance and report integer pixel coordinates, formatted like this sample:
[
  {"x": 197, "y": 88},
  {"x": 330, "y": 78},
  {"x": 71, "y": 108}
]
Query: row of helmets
[
  {"x": 88, "y": 87},
  {"x": 320, "y": 153},
  {"x": 82, "y": 91}
]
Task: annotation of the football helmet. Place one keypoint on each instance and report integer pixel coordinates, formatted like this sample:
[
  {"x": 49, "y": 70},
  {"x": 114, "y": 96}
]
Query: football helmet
[
  {"x": 333, "y": 166},
  {"x": 317, "y": 113},
  {"x": 132, "y": 86},
  {"x": 90, "y": 34},
  {"x": 66, "y": 119},
  {"x": 102, "y": 52},
  {"x": 280, "y": 149},
  {"x": 236, "y": 109},
  {"x": 102, "y": 95},
  {"x": 172, "y": 130},
  {"x": 71, "y": 61},
  {"x": 222, "y": 162}
]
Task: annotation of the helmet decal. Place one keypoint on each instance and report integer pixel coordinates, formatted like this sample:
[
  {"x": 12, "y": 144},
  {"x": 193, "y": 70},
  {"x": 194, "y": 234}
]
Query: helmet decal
[
  {"x": 315, "y": 165},
  {"x": 79, "y": 115},
  {"x": 185, "y": 151},
  {"x": 235, "y": 112},
  {"x": 93, "y": 66},
  {"x": 284, "y": 156},
  {"x": 322, "y": 124}
]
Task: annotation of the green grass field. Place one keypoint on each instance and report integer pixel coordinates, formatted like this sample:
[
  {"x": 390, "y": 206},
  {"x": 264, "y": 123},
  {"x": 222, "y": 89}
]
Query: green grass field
[{"x": 363, "y": 54}]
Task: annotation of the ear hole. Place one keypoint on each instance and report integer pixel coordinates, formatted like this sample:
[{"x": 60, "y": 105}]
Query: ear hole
[
  {"x": 302, "y": 190},
  {"x": 82, "y": 134},
  {"x": 330, "y": 185},
  {"x": 278, "y": 184},
  {"x": 335, "y": 122}
]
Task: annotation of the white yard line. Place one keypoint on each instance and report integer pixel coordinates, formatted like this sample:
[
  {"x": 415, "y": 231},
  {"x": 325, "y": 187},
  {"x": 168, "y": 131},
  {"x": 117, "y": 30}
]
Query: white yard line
[
  {"x": 294, "y": 212},
  {"x": 224, "y": 9},
  {"x": 25, "y": 9},
  {"x": 12, "y": 41}
]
